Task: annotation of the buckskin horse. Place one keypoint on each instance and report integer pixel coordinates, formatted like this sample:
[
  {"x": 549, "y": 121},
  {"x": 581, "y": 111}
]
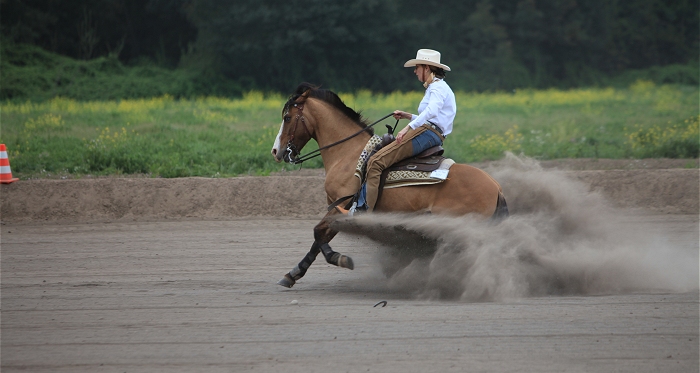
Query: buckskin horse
[{"x": 342, "y": 135}]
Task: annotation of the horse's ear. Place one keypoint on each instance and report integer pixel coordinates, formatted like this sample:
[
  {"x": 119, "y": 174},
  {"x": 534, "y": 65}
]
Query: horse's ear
[
  {"x": 302, "y": 92},
  {"x": 301, "y": 98}
]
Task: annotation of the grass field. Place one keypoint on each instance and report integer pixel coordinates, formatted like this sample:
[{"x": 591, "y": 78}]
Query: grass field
[{"x": 217, "y": 137}]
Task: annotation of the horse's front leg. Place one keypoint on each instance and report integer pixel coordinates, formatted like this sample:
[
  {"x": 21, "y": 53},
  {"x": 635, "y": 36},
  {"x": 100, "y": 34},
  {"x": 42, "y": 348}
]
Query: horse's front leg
[{"x": 323, "y": 234}]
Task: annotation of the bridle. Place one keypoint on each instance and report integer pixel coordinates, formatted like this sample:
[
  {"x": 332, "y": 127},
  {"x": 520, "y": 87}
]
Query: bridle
[{"x": 291, "y": 149}]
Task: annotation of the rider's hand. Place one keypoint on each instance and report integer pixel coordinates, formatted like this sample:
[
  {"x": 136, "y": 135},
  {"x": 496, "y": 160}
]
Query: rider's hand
[
  {"x": 398, "y": 114},
  {"x": 401, "y": 134}
]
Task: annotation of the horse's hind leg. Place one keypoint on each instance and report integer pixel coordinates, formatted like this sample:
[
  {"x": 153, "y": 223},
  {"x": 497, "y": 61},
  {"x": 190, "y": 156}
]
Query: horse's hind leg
[
  {"x": 501, "y": 209},
  {"x": 322, "y": 235}
]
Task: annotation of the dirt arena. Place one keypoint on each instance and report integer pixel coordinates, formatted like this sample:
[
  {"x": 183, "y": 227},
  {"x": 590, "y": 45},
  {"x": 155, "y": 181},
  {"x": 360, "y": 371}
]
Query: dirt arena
[{"x": 596, "y": 270}]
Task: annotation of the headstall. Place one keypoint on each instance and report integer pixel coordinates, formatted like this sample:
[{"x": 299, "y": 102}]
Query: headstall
[{"x": 292, "y": 149}]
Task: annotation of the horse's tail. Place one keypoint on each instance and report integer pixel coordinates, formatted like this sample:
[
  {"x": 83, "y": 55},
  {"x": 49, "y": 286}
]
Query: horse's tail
[{"x": 501, "y": 209}]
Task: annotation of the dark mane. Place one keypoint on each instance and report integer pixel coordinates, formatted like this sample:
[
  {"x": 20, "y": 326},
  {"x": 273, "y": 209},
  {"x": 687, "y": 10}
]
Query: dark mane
[{"x": 329, "y": 97}]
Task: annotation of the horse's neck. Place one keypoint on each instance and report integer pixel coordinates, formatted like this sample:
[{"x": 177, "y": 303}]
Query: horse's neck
[{"x": 339, "y": 160}]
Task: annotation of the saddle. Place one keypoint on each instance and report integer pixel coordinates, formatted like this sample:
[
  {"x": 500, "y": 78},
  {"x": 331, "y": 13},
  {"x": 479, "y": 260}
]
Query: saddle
[
  {"x": 427, "y": 161},
  {"x": 425, "y": 168}
]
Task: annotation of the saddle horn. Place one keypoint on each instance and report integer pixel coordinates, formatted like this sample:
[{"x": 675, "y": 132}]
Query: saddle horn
[{"x": 388, "y": 138}]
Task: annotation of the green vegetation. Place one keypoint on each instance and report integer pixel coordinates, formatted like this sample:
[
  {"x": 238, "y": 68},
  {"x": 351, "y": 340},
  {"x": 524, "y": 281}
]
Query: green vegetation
[
  {"x": 158, "y": 136},
  {"x": 217, "y": 137},
  {"x": 137, "y": 87},
  {"x": 29, "y": 72}
]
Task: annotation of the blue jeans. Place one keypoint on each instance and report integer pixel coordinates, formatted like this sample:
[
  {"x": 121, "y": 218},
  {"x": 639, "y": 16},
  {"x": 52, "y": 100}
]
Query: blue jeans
[{"x": 425, "y": 140}]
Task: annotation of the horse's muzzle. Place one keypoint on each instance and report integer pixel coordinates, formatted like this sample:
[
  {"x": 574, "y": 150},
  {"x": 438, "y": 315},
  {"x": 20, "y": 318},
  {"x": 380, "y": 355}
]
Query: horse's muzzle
[{"x": 284, "y": 155}]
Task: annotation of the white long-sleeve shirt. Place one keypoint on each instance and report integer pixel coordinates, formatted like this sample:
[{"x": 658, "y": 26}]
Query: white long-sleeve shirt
[{"x": 437, "y": 106}]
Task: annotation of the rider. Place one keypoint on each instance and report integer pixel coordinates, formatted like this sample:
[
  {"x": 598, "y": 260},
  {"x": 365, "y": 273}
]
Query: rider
[{"x": 436, "y": 112}]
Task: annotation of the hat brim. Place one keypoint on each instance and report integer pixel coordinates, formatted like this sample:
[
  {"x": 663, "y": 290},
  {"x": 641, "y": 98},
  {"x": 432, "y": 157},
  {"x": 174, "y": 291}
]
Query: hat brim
[{"x": 414, "y": 62}]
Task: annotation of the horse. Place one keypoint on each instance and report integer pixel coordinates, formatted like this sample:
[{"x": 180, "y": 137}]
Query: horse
[{"x": 342, "y": 134}]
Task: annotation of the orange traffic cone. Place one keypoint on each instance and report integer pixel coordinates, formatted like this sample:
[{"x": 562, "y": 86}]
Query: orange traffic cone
[{"x": 5, "y": 172}]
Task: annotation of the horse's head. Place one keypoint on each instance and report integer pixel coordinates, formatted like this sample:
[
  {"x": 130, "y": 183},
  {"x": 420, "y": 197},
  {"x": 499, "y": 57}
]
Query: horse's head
[{"x": 295, "y": 130}]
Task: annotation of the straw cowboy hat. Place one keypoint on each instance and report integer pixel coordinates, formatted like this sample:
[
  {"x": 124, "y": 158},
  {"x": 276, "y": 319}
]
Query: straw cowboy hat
[{"x": 426, "y": 57}]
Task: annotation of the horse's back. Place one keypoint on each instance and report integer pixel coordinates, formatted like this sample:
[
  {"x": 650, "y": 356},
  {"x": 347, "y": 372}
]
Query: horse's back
[{"x": 467, "y": 190}]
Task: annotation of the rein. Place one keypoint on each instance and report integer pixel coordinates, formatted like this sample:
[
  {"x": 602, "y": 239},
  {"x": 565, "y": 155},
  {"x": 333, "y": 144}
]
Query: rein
[{"x": 313, "y": 154}]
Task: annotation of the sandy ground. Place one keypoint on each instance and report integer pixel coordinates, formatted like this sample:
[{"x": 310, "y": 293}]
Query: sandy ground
[
  {"x": 147, "y": 275},
  {"x": 662, "y": 186},
  {"x": 200, "y": 296}
]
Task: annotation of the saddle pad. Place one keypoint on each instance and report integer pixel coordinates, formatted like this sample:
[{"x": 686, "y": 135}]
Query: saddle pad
[
  {"x": 371, "y": 144},
  {"x": 397, "y": 179}
]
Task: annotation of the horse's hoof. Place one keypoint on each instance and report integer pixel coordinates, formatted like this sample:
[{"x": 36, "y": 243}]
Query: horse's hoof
[
  {"x": 286, "y": 281},
  {"x": 346, "y": 262}
]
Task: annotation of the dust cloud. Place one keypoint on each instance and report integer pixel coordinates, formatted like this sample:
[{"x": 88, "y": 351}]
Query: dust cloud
[{"x": 561, "y": 239}]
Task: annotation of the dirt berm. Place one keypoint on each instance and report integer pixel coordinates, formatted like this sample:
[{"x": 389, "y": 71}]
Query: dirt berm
[{"x": 662, "y": 186}]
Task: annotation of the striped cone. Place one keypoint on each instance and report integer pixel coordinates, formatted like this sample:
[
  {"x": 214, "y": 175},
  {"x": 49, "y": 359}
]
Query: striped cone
[{"x": 5, "y": 172}]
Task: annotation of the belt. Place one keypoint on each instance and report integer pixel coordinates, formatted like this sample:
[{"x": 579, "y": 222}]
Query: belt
[{"x": 435, "y": 127}]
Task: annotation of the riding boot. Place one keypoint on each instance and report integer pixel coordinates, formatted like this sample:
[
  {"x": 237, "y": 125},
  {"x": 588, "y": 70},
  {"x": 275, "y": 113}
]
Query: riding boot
[
  {"x": 352, "y": 211},
  {"x": 343, "y": 211}
]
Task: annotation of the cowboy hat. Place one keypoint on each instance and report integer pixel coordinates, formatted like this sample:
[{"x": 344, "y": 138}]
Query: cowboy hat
[{"x": 426, "y": 57}]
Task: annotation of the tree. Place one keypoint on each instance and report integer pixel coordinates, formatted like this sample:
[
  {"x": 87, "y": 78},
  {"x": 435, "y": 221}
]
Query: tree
[
  {"x": 131, "y": 30},
  {"x": 275, "y": 45}
]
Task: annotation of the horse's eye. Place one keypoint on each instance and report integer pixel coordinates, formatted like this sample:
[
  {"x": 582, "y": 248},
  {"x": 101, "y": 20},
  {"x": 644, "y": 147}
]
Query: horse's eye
[{"x": 287, "y": 118}]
